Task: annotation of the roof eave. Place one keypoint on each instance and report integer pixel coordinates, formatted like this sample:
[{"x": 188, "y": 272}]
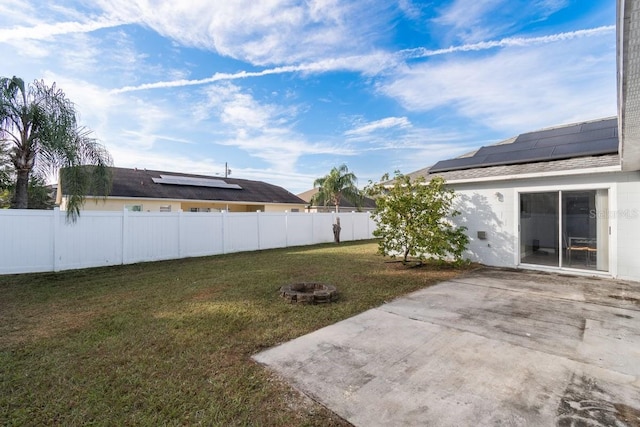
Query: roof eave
[{"x": 511, "y": 177}]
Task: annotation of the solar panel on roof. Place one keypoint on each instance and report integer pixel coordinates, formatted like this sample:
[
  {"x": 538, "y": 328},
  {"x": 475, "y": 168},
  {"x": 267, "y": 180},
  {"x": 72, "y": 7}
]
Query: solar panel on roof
[
  {"x": 609, "y": 123},
  {"x": 491, "y": 149},
  {"x": 548, "y": 133},
  {"x": 586, "y": 148},
  {"x": 586, "y": 139},
  {"x": 518, "y": 156},
  {"x": 194, "y": 181}
]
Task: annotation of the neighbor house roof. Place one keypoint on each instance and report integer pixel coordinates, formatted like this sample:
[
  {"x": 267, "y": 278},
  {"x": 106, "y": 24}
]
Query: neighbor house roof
[
  {"x": 143, "y": 183},
  {"x": 366, "y": 202},
  {"x": 577, "y": 146}
]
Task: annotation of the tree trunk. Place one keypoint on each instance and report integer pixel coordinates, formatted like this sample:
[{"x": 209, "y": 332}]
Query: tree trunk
[
  {"x": 336, "y": 231},
  {"x": 21, "y": 196}
]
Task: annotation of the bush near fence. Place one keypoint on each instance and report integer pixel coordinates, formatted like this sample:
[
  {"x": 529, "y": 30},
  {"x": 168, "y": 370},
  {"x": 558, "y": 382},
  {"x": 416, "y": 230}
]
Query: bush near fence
[{"x": 38, "y": 241}]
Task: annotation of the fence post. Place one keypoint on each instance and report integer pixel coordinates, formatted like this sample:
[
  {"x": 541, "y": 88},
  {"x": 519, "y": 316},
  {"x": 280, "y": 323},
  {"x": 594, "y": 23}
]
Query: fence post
[
  {"x": 258, "y": 226},
  {"x": 56, "y": 238},
  {"x": 286, "y": 229},
  {"x": 181, "y": 238},
  {"x": 224, "y": 231},
  {"x": 353, "y": 226},
  {"x": 125, "y": 233},
  {"x": 313, "y": 228}
]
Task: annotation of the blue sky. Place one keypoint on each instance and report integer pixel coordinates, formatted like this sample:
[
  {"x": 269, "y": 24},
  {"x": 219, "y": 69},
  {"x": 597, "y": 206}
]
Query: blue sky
[{"x": 283, "y": 90}]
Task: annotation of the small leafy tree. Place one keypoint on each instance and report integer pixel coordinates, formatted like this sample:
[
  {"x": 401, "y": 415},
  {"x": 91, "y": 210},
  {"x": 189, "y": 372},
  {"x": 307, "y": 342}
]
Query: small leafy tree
[{"x": 413, "y": 219}]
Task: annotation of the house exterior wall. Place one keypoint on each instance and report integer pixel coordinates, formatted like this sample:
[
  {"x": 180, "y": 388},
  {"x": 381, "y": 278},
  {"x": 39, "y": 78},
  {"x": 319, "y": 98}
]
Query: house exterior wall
[
  {"x": 627, "y": 216},
  {"x": 155, "y": 205},
  {"x": 493, "y": 207}
]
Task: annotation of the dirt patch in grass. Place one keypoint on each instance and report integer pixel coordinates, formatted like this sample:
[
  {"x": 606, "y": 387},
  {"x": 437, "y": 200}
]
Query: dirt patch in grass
[{"x": 170, "y": 342}]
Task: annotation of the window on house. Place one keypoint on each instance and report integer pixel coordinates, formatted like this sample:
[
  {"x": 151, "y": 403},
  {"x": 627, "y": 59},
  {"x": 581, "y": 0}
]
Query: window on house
[
  {"x": 165, "y": 208},
  {"x": 133, "y": 208}
]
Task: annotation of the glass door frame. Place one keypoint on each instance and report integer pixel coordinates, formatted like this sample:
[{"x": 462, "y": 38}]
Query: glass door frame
[{"x": 560, "y": 189}]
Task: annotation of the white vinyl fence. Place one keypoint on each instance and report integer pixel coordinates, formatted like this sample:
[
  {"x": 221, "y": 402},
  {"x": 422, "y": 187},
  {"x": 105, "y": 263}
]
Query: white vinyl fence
[{"x": 37, "y": 241}]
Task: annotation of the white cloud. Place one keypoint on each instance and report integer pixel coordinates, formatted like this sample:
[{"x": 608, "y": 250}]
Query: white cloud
[
  {"x": 264, "y": 131},
  {"x": 123, "y": 120},
  {"x": 421, "y": 52},
  {"x": 265, "y": 32},
  {"x": 374, "y": 63},
  {"x": 43, "y": 31},
  {"x": 467, "y": 18},
  {"x": 386, "y": 123},
  {"x": 516, "y": 89},
  {"x": 475, "y": 20}
]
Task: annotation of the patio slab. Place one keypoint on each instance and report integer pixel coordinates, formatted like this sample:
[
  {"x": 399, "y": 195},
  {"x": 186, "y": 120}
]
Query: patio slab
[{"x": 493, "y": 347}]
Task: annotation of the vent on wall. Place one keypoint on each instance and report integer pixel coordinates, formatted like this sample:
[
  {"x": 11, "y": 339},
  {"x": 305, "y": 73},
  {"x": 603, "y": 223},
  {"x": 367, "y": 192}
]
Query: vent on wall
[{"x": 196, "y": 182}]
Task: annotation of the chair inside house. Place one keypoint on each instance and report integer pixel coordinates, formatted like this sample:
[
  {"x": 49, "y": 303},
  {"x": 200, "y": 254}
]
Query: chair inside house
[{"x": 580, "y": 248}]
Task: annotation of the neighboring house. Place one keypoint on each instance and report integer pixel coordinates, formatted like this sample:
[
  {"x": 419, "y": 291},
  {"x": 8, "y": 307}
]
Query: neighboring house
[
  {"x": 366, "y": 204},
  {"x": 560, "y": 199},
  {"x": 158, "y": 191}
]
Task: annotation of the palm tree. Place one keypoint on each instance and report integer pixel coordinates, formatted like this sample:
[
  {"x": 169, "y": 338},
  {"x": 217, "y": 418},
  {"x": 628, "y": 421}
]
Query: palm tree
[
  {"x": 39, "y": 124},
  {"x": 333, "y": 187}
]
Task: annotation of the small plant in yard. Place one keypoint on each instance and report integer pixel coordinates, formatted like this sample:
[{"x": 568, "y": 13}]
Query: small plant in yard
[
  {"x": 413, "y": 218},
  {"x": 170, "y": 343}
]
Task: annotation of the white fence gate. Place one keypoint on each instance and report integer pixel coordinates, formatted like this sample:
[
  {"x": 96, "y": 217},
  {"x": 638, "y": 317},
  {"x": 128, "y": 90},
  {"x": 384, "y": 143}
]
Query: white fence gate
[{"x": 37, "y": 241}]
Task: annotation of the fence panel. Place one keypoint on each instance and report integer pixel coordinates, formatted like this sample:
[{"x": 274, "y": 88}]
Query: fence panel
[
  {"x": 362, "y": 229},
  {"x": 95, "y": 241},
  {"x": 202, "y": 233},
  {"x": 323, "y": 227},
  {"x": 241, "y": 232},
  {"x": 151, "y": 236},
  {"x": 27, "y": 241},
  {"x": 36, "y": 241},
  {"x": 273, "y": 230},
  {"x": 298, "y": 226}
]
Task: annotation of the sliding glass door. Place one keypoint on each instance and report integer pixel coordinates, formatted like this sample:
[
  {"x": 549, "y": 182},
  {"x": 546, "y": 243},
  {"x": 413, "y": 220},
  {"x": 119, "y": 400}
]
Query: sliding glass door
[
  {"x": 539, "y": 228},
  {"x": 565, "y": 229}
]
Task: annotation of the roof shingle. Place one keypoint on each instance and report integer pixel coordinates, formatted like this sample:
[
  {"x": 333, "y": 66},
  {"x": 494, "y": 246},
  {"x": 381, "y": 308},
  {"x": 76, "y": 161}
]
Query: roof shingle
[{"x": 139, "y": 183}]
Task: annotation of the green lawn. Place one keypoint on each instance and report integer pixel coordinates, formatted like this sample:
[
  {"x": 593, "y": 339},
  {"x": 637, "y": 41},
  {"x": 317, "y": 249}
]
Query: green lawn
[{"x": 169, "y": 343}]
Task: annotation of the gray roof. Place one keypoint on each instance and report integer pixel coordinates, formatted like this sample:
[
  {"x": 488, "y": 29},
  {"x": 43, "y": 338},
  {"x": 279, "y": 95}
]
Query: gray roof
[
  {"x": 600, "y": 150},
  {"x": 140, "y": 183}
]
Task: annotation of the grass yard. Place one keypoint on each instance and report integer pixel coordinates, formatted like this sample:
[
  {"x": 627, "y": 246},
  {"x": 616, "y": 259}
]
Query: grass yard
[{"x": 169, "y": 343}]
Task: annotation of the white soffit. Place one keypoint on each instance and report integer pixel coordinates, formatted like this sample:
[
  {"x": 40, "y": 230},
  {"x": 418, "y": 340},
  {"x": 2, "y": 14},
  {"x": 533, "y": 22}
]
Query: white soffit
[
  {"x": 629, "y": 83},
  {"x": 196, "y": 182}
]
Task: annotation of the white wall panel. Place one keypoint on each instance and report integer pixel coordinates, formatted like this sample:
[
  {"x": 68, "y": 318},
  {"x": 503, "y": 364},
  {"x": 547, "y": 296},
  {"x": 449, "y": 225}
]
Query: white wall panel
[
  {"x": 202, "y": 234},
  {"x": 272, "y": 230},
  {"x": 299, "y": 226},
  {"x": 26, "y": 241},
  {"x": 241, "y": 232},
  {"x": 322, "y": 226},
  {"x": 151, "y": 236},
  {"x": 94, "y": 241}
]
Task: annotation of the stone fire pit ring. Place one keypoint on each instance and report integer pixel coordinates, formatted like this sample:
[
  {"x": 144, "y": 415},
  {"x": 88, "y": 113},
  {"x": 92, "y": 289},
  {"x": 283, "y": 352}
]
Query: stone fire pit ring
[{"x": 309, "y": 293}]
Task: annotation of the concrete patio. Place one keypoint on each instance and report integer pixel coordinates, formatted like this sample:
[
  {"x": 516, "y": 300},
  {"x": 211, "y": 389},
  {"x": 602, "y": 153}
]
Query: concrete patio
[{"x": 492, "y": 347}]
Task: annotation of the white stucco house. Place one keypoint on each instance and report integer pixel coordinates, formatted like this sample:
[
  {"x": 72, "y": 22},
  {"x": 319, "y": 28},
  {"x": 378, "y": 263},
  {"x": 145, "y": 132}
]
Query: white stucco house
[{"x": 566, "y": 198}]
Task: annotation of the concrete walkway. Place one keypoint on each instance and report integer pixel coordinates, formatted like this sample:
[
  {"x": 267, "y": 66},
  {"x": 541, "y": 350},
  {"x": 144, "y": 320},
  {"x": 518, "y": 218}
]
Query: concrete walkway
[{"x": 489, "y": 348}]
